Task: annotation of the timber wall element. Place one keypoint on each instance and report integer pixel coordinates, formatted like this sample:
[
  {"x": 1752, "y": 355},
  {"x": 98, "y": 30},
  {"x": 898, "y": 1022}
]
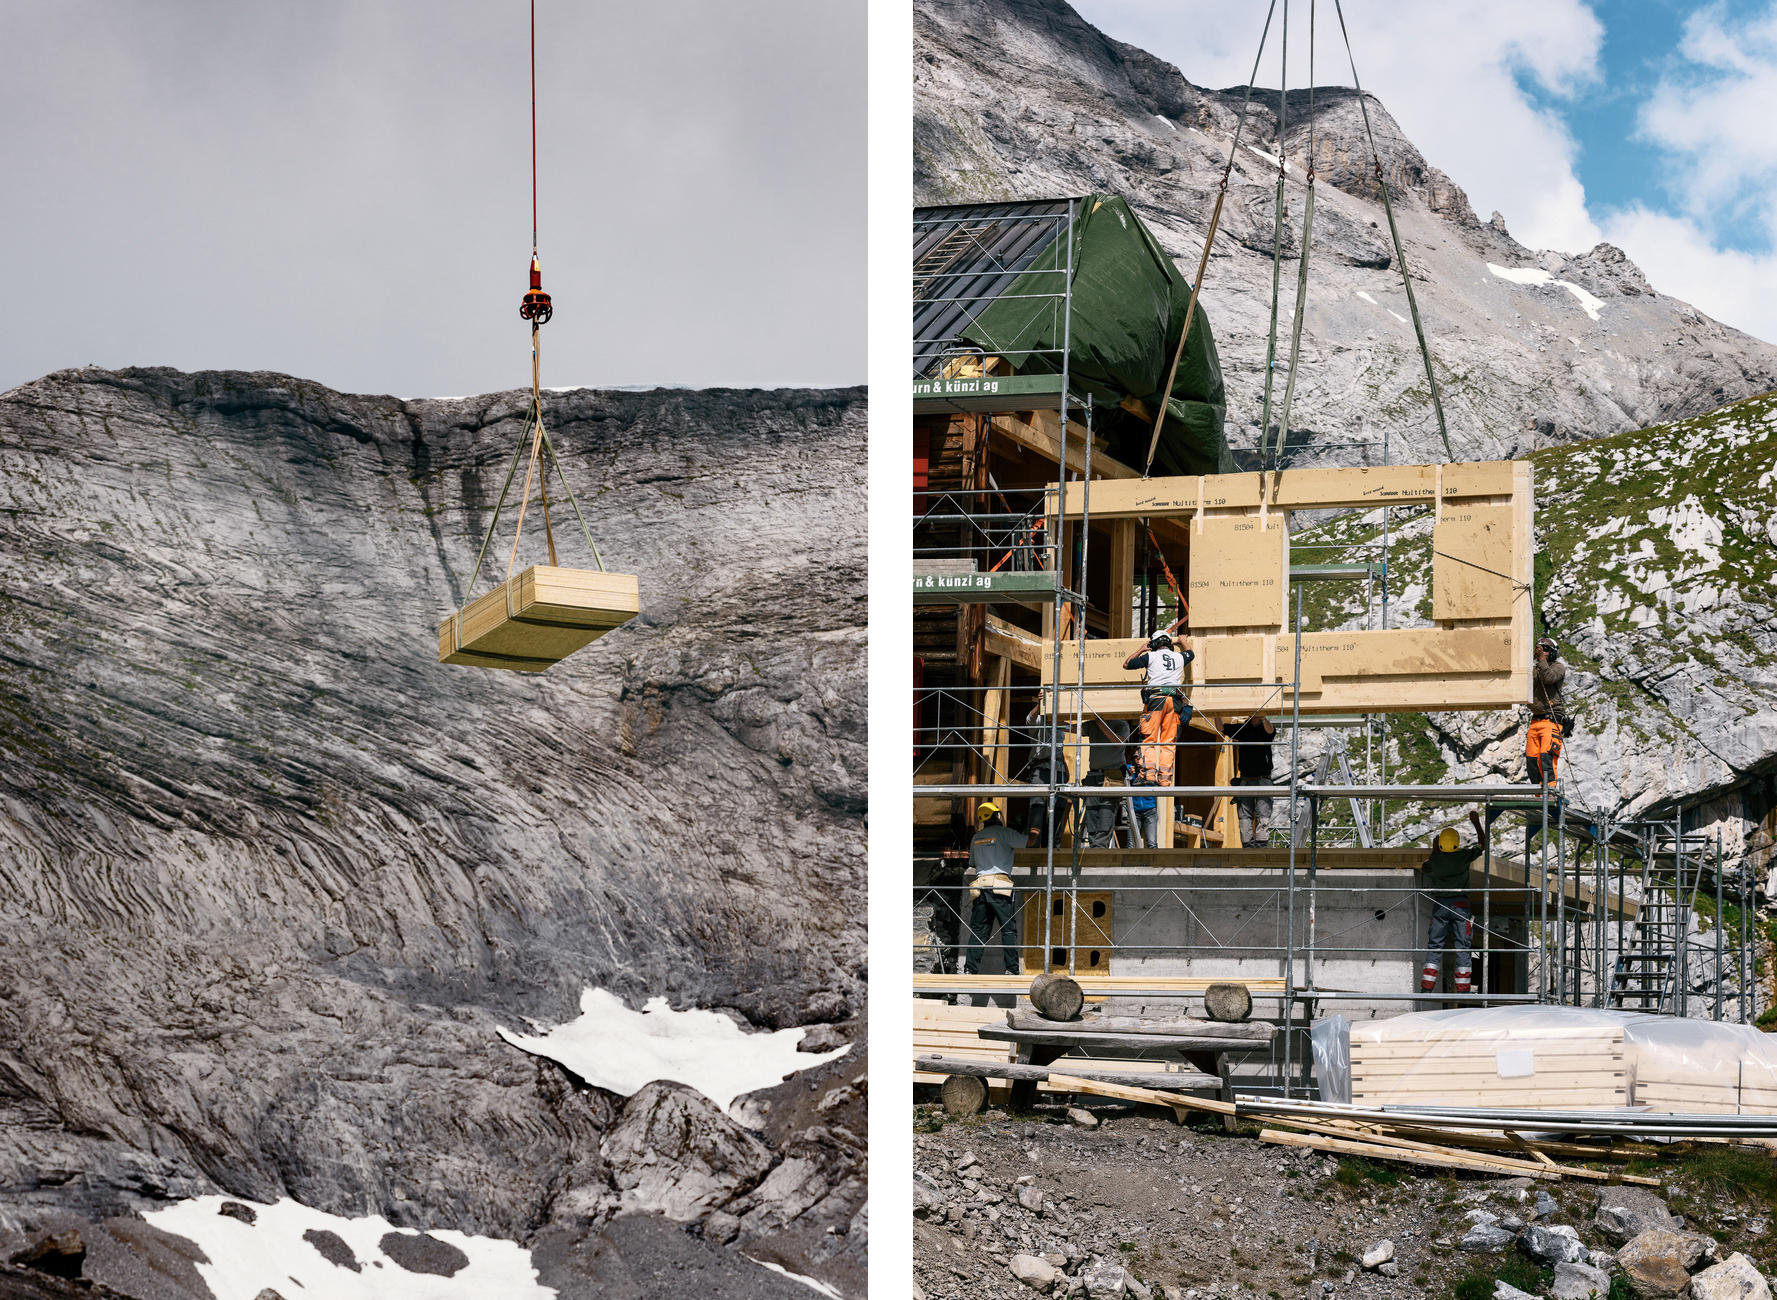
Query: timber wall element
[{"x": 1476, "y": 656}]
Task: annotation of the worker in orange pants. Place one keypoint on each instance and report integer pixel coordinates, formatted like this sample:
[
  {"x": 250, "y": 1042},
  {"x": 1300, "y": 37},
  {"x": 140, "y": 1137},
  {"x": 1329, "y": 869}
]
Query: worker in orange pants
[
  {"x": 1159, "y": 737},
  {"x": 1542, "y": 749}
]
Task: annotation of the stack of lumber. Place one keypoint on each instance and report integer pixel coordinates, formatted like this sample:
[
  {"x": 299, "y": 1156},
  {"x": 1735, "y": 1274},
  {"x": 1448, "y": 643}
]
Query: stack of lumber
[
  {"x": 1667, "y": 1080},
  {"x": 538, "y": 618},
  {"x": 1413, "y": 1061},
  {"x": 946, "y": 1041}
]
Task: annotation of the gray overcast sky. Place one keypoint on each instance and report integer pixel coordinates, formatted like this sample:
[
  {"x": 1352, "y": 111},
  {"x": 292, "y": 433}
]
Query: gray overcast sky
[{"x": 340, "y": 189}]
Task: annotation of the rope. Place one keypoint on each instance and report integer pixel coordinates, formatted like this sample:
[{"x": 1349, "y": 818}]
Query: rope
[
  {"x": 1215, "y": 218},
  {"x": 511, "y": 471},
  {"x": 1516, "y": 585},
  {"x": 1289, "y": 387},
  {"x": 1394, "y": 233},
  {"x": 1283, "y": 104}
]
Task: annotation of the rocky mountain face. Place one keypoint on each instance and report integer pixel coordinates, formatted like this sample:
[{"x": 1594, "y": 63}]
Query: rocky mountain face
[
  {"x": 272, "y": 878},
  {"x": 1023, "y": 99},
  {"x": 1657, "y": 560}
]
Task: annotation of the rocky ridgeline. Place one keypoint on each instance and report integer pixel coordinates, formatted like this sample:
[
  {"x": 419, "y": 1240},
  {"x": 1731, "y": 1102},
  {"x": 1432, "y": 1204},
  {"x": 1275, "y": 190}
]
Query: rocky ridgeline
[
  {"x": 271, "y": 878},
  {"x": 1111, "y": 1205},
  {"x": 1023, "y": 99}
]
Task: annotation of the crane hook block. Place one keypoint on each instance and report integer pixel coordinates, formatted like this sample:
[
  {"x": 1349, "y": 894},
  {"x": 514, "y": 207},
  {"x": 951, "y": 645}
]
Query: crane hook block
[{"x": 536, "y": 307}]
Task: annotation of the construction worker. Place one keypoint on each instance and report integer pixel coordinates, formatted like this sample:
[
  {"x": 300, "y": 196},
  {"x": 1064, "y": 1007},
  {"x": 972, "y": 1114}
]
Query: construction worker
[
  {"x": 1542, "y": 750},
  {"x": 1165, "y": 664},
  {"x": 1159, "y": 729},
  {"x": 1252, "y": 766},
  {"x": 1099, "y": 818},
  {"x": 1147, "y": 811},
  {"x": 1547, "y": 677},
  {"x": 992, "y": 904},
  {"x": 1452, "y": 920}
]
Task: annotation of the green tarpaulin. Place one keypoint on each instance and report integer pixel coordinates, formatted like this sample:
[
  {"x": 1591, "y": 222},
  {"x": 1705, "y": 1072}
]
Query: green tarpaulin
[{"x": 1129, "y": 304}]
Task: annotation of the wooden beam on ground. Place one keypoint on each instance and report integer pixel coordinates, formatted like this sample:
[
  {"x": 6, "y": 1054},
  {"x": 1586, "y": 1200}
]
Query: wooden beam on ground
[
  {"x": 1434, "y": 1159},
  {"x": 1257, "y": 1032},
  {"x": 1153, "y": 1097},
  {"x": 1154, "y": 1080}
]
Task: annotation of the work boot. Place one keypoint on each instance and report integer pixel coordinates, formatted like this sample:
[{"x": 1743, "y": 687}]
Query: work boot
[{"x": 1428, "y": 979}]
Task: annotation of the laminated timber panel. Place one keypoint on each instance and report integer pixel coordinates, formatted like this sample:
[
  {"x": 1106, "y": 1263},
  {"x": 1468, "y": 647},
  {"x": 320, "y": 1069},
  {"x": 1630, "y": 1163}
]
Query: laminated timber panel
[
  {"x": 1478, "y": 659},
  {"x": 1295, "y": 489},
  {"x": 1471, "y": 549},
  {"x": 1239, "y": 572},
  {"x": 538, "y": 618},
  {"x": 1400, "y": 670}
]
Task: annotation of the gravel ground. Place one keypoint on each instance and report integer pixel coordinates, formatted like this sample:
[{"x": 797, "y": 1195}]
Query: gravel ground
[{"x": 1194, "y": 1212}]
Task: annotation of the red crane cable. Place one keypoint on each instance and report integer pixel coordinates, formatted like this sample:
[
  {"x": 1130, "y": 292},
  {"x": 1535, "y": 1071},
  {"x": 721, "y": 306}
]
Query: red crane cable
[
  {"x": 533, "y": 128},
  {"x": 536, "y": 307}
]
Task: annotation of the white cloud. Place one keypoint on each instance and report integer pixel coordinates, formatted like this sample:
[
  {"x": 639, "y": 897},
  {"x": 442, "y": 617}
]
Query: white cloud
[
  {"x": 1709, "y": 116},
  {"x": 1452, "y": 74},
  {"x": 1680, "y": 258}
]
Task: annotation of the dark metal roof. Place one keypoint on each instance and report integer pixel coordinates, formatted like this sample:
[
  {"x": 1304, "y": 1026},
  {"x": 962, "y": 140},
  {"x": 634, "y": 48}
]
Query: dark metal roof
[{"x": 964, "y": 256}]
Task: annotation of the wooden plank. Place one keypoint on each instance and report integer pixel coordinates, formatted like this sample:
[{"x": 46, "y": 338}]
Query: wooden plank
[
  {"x": 1042, "y": 434},
  {"x": 1025, "y": 649},
  {"x": 946, "y": 983},
  {"x": 1122, "y": 569},
  {"x": 1479, "y": 478},
  {"x": 1257, "y": 1031},
  {"x": 1106, "y": 1072},
  {"x": 1119, "y": 1042},
  {"x": 1294, "y": 489},
  {"x": 538, "y": 618},
  {"x": 1443, "y": 1159},
  {"x": 995, "y": 734},
  {"x": 1179, "y": 1102}
]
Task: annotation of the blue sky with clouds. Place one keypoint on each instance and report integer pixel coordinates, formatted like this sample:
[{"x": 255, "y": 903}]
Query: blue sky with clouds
[{"x": 1648, "y": 123}]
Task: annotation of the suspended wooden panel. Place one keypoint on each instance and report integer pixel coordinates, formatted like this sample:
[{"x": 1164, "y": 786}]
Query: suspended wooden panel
[
  {"x": 1239, "y": 572},
  {"x": 538, "y": 618},
  {"x": 1472, "y": 549}
]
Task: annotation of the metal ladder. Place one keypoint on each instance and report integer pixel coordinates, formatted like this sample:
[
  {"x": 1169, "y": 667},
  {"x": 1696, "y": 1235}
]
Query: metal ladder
[{"x": 1643, "y": 977}]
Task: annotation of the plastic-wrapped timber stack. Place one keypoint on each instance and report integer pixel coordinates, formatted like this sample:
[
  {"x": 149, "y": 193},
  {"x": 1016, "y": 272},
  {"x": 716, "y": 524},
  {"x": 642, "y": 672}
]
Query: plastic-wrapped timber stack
[{"x": 1424, "y": 1061}]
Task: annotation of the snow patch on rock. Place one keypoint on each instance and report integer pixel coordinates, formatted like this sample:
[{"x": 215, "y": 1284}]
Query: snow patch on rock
[
  {"x": 1535, "y": 275},
  {"x": 271, "y": 1253},
  {"x": 620, "y": 1050}
]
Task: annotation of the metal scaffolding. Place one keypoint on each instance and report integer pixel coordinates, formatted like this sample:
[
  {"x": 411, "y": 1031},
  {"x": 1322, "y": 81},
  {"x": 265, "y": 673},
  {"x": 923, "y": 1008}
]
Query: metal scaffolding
[{"x": 1594, "y": 911}]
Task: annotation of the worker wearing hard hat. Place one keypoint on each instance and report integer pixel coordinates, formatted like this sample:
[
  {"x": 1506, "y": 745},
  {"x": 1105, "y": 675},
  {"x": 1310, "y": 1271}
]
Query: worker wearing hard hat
[
  {"x": 992, "y": 903},
  {"x": 1452, "y": 920},
  {"x": 1165, "y": 662}
]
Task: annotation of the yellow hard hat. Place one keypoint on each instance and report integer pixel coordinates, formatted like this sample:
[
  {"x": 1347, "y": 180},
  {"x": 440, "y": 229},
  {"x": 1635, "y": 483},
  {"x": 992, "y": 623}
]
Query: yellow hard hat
[
  {"x": 1448, "y": 839},
  {"x": 987, "y": 809}
]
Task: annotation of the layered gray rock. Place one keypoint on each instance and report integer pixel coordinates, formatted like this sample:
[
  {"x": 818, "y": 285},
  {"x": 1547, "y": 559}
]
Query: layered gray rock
[{"x": 271, "y": 877}]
